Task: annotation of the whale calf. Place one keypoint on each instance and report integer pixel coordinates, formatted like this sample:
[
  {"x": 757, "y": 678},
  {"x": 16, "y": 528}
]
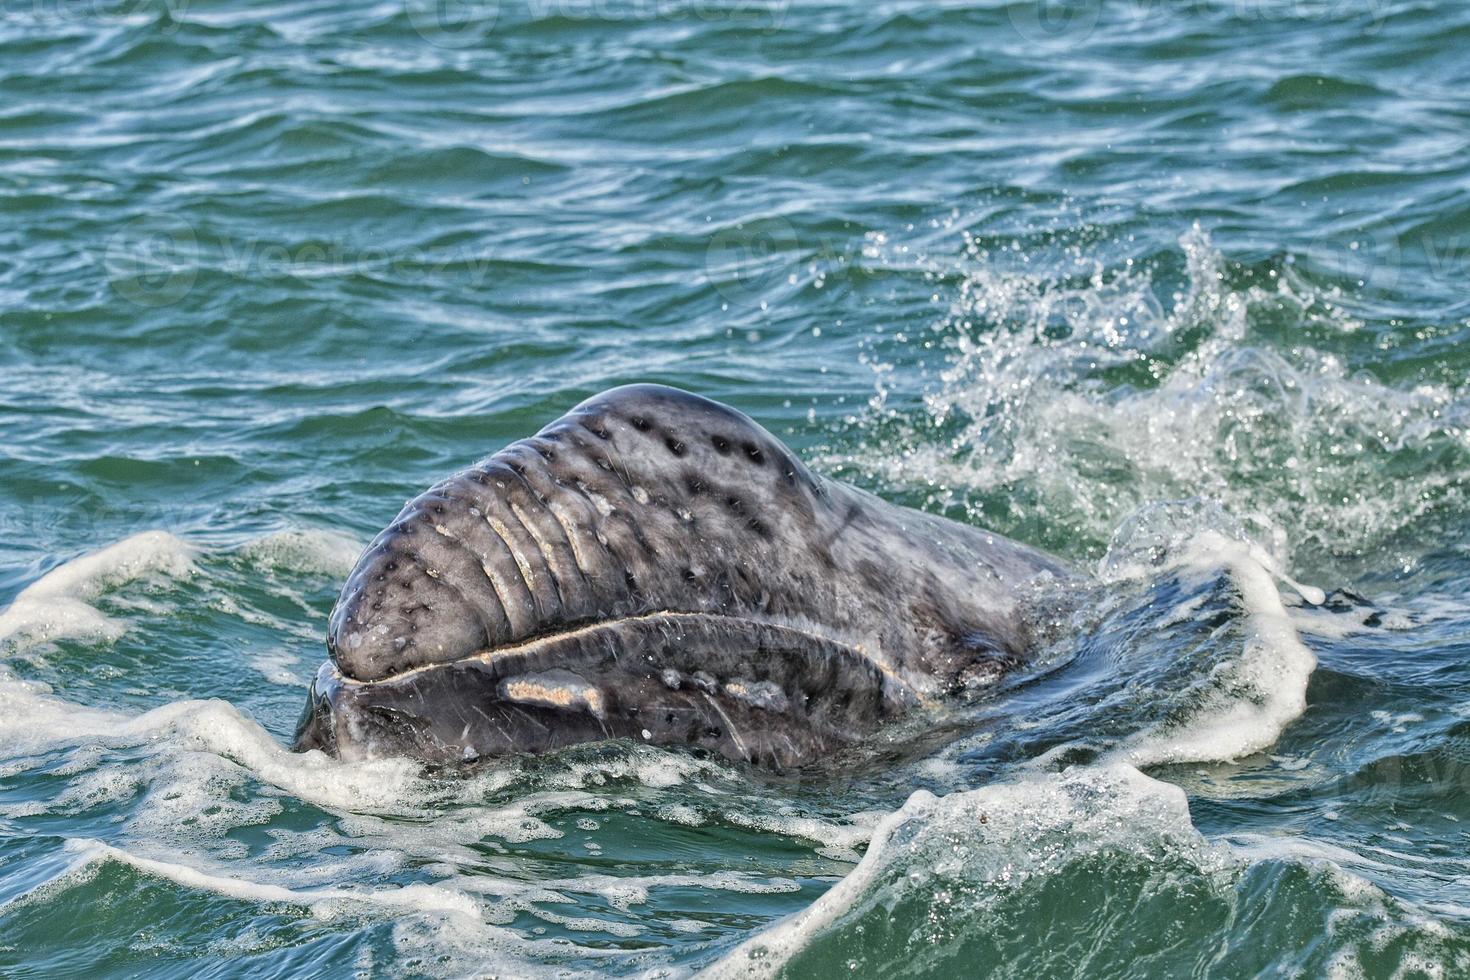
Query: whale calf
[{"x": 656, "y": 566}]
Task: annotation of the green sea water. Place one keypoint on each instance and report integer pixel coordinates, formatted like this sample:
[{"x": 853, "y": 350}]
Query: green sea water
[{"x": 1175, "y": 289}]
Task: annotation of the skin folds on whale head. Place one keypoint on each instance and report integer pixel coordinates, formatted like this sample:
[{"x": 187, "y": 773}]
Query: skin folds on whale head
[{"x": 656, "y": 566}]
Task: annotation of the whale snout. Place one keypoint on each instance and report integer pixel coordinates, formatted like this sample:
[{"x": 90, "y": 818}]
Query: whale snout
[
  {"x": 393, "y": 614},
  {"x": 642, "y": 500}
]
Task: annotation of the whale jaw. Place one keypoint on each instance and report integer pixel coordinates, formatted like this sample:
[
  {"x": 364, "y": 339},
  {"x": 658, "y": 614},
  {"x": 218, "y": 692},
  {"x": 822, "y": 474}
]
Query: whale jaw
[{"x": 772, "y": 695}]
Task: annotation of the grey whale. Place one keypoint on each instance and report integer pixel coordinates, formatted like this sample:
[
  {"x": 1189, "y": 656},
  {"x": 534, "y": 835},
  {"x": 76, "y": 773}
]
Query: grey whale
[{"x": 656, "y": 566}]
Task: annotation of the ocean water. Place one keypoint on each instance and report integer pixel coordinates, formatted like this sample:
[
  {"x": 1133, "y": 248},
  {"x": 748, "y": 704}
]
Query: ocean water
[{"x": 1175, "y": 289}]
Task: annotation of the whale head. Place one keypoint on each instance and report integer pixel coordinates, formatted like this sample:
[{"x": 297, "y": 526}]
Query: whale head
[{"x": 656, "y": 566}]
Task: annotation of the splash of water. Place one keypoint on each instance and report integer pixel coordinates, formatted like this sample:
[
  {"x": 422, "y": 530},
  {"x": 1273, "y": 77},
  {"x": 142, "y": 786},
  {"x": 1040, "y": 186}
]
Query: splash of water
[{"x": 1071, "y": 399}]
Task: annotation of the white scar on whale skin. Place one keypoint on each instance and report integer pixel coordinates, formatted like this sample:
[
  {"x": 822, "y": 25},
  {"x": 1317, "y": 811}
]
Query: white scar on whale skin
[
  {"x": 556, "y": 689},
  {"x": 503, "y": 532}
]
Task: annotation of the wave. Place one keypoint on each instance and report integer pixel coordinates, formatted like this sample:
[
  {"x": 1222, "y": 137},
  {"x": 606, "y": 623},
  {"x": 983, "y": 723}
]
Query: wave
[
  {"x": 1083, "y": 870},
  {"x": 1244, "y": 704}
]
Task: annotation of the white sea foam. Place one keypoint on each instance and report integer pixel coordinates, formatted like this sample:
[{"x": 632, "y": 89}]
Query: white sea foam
[
  {"x": 59, "y": 605},
  {"x": 967, "y": 861},
  {"x": 1245, "y": 703},
  {"x": 418, "y": 898},
  {"x": 281, "y": 668},
  {"x": 444, "y": 924},
  {"x": 33, "y": 719},
  {"x": 305, "y": 550}
]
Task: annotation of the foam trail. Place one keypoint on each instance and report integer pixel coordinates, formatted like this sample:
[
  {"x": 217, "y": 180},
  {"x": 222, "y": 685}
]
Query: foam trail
[
  {"x": 58, "y": 605},
  {"x": 32, "y": 719},
  {"x": 276, "y": 669},
  {"x": 311, "y": 550},
  {"x": 1249, "y": 701},
  {"x": 414, "y": 897},
  {"x": 765, "y": 953}
]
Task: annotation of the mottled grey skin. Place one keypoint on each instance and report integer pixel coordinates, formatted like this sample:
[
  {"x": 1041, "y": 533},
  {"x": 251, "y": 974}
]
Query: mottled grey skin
[{"x": 656, "y": 566}]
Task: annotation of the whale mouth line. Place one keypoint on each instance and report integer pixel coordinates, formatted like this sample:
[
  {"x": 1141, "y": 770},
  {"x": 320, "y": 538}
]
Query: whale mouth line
[
  {"x": 525, "y": 648},
  {"x": 776, "y": 692}
]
